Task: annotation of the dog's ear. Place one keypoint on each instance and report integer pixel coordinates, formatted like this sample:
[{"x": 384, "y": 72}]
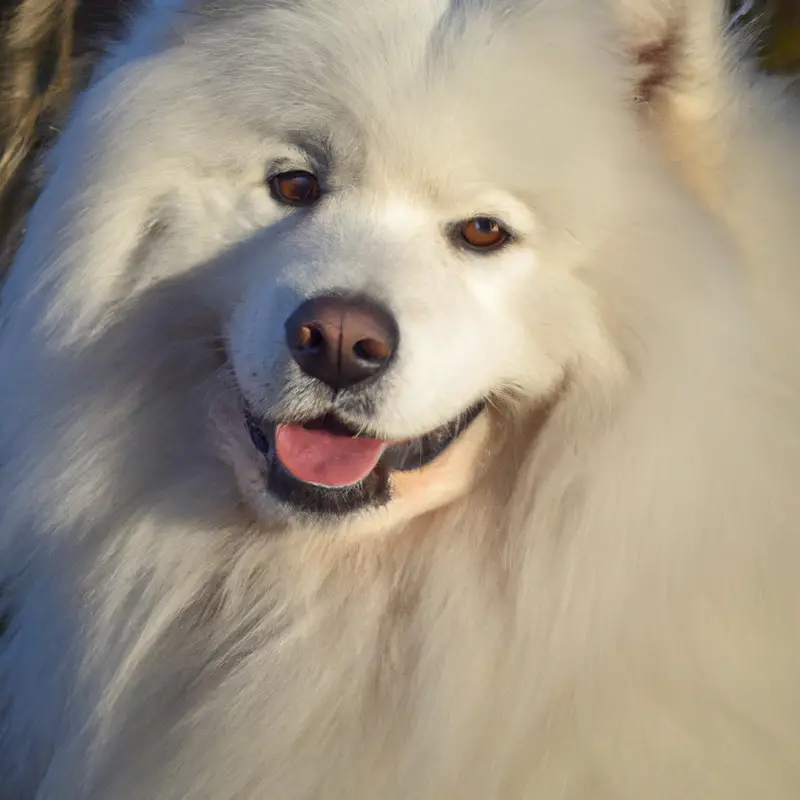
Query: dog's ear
[
  {"x": 36, "y": 43},
  {"x": 681, "y": 48},
  {"x": 685, "y": 58},
  {"x": 47, "y": 51}
]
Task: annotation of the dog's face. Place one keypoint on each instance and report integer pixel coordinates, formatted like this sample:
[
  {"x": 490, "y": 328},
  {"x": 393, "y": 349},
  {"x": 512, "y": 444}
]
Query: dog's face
[{"x": 415, "y": 193}]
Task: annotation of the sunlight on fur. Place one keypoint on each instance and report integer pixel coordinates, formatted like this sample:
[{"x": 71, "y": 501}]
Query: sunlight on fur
[{"x": 400, "y": 401}]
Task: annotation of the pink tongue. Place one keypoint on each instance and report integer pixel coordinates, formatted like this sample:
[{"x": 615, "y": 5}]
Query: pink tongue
[{"x": 325, "y": 458}]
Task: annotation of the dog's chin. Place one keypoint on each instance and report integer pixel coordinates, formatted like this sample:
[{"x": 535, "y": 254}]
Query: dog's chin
[{"x": 375, "y": 489}]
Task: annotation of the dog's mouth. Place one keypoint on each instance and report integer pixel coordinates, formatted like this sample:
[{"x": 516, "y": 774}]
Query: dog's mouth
[{"x": 325, "y": 465}]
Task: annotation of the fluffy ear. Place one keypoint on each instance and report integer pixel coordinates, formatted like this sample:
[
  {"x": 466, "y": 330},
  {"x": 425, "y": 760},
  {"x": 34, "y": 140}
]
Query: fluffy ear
[
  {"x": 681, "y": 47},
  {"x": 36, "y": 40},
  {"x": 686, "y": 59},
  {"x": 47, "y": 50}
]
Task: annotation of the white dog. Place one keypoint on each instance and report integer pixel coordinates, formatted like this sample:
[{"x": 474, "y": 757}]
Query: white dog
[{"x": 383, "y": 418}]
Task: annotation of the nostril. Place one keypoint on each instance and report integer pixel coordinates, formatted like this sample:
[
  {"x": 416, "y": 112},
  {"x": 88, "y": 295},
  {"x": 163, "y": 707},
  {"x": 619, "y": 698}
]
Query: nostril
[
  {"x": 309, "y": 337},
  {"x": 372, "y": 350}
]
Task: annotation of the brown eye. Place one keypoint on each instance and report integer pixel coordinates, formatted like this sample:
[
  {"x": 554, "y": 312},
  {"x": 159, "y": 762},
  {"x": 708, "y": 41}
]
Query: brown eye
[
  {"x": 483, "y": 233},
  {"x": 295, "y": 188}
]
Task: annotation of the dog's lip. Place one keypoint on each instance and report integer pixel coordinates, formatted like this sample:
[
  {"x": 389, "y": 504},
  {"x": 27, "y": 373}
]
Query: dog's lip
[
  {"x": 400, "y": 455},
  {"x": 418, "y": 452}
]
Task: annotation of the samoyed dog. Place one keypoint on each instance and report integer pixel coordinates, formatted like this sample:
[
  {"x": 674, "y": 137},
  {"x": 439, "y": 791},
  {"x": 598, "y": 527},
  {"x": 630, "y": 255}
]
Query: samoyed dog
[{"x": 384, "y": 416}]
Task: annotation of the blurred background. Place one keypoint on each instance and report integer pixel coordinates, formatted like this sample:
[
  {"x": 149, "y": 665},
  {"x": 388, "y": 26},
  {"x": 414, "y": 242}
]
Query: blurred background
[{"x": 776, "y": 23}]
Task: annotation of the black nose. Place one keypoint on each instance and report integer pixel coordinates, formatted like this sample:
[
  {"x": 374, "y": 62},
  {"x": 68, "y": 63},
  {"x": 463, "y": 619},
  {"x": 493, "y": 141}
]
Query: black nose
[{"x": 341, "y": 341}]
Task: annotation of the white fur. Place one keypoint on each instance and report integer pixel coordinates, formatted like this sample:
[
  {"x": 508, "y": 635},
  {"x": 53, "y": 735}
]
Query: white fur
[
  {"x": 734, "y": 135},
  {"x": 594, "y": 600}
]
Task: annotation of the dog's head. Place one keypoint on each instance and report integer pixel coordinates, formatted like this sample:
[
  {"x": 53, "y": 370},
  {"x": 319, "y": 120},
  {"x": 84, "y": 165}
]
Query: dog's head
[
  {"x": 402, "y": 207},
  {"x": 426, "y": 184}
]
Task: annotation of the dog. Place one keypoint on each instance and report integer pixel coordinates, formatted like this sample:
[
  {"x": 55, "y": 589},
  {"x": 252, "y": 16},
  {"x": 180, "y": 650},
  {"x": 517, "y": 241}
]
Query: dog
[{"x": 385, "y": 416}]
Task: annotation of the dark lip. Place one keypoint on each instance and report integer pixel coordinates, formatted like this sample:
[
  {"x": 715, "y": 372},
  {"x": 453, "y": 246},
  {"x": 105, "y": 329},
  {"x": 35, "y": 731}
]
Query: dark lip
[
  {"x": 417, "y": 453},
  {"x": 375, "y": 490}
]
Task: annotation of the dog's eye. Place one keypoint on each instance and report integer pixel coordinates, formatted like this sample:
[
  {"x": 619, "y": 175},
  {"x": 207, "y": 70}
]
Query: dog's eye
[
  {"x": 483, "y": 234},
  {"x": 296, "y": 188}
]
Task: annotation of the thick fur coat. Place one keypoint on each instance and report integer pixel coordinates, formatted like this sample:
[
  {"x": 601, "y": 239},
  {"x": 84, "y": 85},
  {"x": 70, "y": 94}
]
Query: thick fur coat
[{"x": 590, "y": 596}]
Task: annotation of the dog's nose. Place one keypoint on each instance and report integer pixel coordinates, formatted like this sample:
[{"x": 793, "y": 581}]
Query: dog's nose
[{"x": 341, "y": 342}]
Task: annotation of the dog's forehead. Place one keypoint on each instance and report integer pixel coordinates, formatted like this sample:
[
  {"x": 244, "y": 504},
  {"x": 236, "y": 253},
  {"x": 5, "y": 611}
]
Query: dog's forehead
[
  {"x": 420, "y": 94},
  {"x": 379, "y": 46},
  {"x": 404, "y": 71}
]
